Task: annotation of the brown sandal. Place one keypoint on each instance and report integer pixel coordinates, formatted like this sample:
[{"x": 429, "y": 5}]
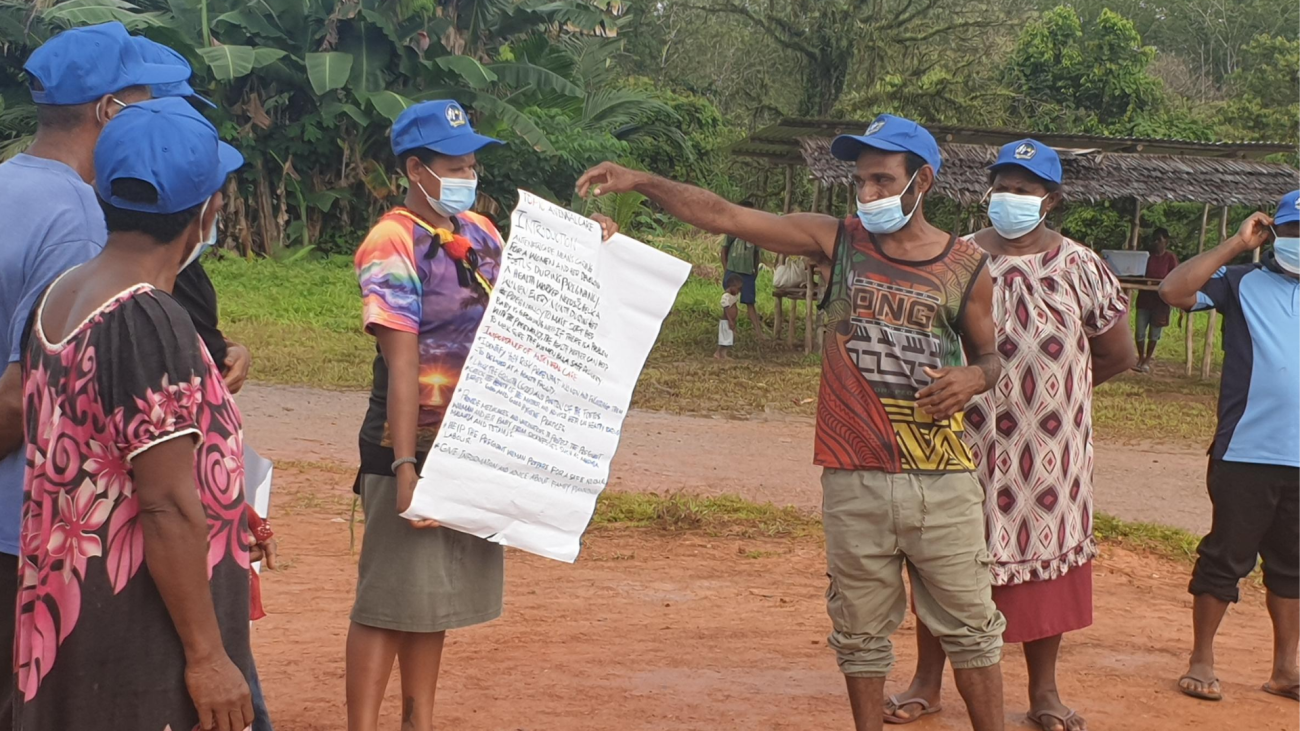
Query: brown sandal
[
  {"x": 1207, "y": 694},
  {"x": 1292, "y": 692},
  {"x": 895, "y": 704}
]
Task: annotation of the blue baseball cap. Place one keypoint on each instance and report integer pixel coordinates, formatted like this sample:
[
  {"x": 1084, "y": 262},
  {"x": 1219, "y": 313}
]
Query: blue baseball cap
[
  {"x": 168, "y": 144},
  {"x": 1288, "y": 209},
  {"x": 441, "y": 126},
  {"x": 153, "y": 52},
  {"x": 891, "y": 134},
  {"x": 81, "y": 65},
  {"x": 1033, "y": 156}
]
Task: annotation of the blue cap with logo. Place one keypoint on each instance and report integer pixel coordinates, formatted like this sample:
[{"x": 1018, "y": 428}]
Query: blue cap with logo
[
  {"x": 891, "y": 134},
  {"x": 1033, "y": 156},
  {"x": 153, "y": 52},
  {"x": 1288, "y": 209},
  {"x": 168, "y": 144},
  {"x": 441, "y": 126},
  {"x": 81, "y": 65}
]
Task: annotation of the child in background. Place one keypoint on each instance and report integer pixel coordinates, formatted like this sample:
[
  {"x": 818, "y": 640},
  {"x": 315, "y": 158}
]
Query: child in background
[{"x": 727, "y": 325}]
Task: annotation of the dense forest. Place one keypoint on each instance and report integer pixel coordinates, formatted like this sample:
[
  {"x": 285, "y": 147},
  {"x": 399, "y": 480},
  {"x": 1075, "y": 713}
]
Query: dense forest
[{"x": 307, "y": 88}]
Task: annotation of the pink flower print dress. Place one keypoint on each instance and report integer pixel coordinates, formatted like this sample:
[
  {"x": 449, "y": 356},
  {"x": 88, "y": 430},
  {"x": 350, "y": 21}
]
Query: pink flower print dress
[{"x": 95, "y": 647}]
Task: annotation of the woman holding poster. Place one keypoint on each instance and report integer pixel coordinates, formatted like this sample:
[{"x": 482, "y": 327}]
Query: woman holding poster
[{"x": 426, "y": 271}]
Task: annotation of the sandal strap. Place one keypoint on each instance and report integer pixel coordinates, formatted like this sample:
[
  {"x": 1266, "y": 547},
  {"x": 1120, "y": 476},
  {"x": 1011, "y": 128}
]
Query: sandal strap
[{"x": 923, "y": 703}]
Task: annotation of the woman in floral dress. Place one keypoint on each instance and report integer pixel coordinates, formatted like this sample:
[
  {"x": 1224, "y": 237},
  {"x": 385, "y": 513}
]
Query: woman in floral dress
[
  {"x": 133, "y": 602},
  {"x": 1062, "y": 329}
]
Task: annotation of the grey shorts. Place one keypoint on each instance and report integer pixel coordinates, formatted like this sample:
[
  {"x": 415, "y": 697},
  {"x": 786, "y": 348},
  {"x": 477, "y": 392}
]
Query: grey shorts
[
  {"x": 421, "y": 580},
  {"x": 1145, "y": 329},
  {"x": 876, "y": 523}
]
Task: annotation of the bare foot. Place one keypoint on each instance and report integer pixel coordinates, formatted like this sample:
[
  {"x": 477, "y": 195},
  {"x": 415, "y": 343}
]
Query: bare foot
[{"x": 1200, "y": 682}]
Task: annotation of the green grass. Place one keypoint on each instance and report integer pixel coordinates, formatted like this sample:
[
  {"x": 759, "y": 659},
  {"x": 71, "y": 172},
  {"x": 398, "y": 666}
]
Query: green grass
[
  {"x": 302, "y": 321},
  {"x": 730, "y": 515},
  {"x": 1164, "y": 540},
  {"x": 723, "y": 514}
]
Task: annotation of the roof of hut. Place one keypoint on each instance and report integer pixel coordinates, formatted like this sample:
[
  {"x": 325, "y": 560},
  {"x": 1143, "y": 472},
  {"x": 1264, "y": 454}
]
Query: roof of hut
[
  {"x": 1095, "y": 176},
  {"x": 1095, "y": 167}
]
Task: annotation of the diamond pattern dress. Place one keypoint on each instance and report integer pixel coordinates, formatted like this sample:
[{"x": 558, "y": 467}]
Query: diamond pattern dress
[{"x": 1031, "y": 436}]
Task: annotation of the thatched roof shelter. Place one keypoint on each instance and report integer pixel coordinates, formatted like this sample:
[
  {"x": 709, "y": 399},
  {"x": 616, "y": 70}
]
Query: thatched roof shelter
[
  {"x": 1092, "y": 175},
  {"x": 1095, "y": 167}
]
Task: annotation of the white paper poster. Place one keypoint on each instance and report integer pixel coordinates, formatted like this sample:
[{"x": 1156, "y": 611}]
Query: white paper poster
[
  {"x": 529, "y": 434},
  {"x": 257, "y": 486}
]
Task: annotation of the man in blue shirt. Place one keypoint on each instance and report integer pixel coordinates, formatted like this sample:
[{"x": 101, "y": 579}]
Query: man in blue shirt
[
  {"x": 79, "y": 80},
  {"x": 1254, "y": 473}
]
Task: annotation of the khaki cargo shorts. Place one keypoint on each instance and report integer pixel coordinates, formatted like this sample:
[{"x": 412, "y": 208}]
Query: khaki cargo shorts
[{"x": 876, "y": 523}]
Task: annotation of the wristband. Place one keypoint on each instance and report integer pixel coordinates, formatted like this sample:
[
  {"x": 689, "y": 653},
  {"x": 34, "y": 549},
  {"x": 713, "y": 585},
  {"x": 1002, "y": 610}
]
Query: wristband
[{"x": 402, "y": 461}]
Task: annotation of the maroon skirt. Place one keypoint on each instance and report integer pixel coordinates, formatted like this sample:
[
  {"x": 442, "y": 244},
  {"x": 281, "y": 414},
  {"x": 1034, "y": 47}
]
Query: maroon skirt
[{"x": 1036, "y": 610}]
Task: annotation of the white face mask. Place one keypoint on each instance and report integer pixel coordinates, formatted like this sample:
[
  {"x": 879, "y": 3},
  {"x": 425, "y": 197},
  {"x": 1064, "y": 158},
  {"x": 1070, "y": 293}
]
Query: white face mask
[
  {"x": 208, "y": 242},
  {"x": 885, "y": 216},
  {"x": 1014, "y": 215},
  {"x": 456, "y": 197}
]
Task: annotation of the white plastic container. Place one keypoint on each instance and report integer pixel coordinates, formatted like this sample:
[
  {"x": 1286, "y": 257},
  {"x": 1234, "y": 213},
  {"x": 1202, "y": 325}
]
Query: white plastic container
[{"x": 1126, "y": 263}]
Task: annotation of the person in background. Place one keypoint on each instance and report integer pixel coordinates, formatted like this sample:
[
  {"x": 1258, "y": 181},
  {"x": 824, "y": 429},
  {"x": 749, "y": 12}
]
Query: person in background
[
  {"x": 910, "y": 342},
  {"x": 426, "y": 270},
  {"x": 741, "y": 258},
  {"x": 194, "y": 290},
  {"x": 1061, "y": 318},
  {"x": 133, "y": 605},
  {"x": 1152, "y": 312},
  {"x": 730, "y": 313},
  {"x": 1254, "y": 471},
  {"x": 80, "y": 79}
]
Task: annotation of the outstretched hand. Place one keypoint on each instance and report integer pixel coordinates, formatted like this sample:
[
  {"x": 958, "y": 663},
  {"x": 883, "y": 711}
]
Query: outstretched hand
[{"x": 607, "y": 178}]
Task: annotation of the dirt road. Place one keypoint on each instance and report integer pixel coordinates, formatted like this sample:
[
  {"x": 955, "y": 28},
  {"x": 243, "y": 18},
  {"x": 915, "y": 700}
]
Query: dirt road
[
  {"x": 653, "y": 631},
  {"x": 764, "y": 459}
]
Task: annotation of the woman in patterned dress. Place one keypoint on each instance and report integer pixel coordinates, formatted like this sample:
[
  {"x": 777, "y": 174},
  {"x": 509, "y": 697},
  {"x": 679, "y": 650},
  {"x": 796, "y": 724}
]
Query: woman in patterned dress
[
  {"x": 1062, "y": 328},
  {"x": 133, "y": 598}
]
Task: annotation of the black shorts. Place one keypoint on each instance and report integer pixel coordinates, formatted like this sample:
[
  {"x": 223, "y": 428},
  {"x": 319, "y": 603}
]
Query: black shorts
[{"x": 1256, "y": 514}]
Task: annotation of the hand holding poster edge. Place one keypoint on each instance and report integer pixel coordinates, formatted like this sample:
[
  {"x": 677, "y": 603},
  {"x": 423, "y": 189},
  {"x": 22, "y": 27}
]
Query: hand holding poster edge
[{"x": 530, "y": 431}]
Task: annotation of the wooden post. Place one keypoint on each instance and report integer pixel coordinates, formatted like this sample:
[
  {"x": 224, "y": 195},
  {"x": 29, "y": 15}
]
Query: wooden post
[
  {"x": 789, "y": 187},
  {"x": 1189, "y": 346},
  {"x": 808, "y": 309},
  {"x": 1137, "y": 224},
  {"x": 794, "y": 315},
  {"x": 785, "y": 208},
  {"x": 1207, "y": 358}
]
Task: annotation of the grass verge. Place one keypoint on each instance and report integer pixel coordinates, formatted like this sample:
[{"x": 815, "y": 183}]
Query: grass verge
[{"x": 735, "y": 516}]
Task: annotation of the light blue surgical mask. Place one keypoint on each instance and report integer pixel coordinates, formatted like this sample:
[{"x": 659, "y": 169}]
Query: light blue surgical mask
[
  {"x": 457, "y": 195},
  {"x": 1286, "y": 249},
  {"x": 885, "y": 216},
  {"x": 1014, "y": 215},
  {"x": 207, "y": 243}
]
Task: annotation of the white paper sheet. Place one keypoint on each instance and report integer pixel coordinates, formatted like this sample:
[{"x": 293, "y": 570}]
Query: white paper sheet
[
  {"x": 257, "y": 485},
  {"x": 531, "y": 429}
]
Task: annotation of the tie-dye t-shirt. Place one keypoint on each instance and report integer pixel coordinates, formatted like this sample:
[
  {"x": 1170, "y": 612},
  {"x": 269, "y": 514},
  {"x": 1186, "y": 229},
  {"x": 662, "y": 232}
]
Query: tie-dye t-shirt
[{"x": 410, "y": 282}]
